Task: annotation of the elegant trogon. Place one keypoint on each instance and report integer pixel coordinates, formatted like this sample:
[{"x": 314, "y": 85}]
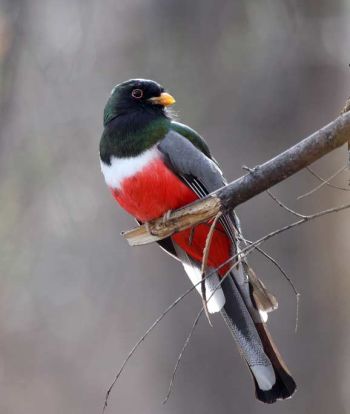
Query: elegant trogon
[{"x": 152, "y": 165}]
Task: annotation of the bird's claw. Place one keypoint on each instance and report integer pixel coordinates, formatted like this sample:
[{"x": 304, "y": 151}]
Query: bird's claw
[{"x": 166, "y": 216}]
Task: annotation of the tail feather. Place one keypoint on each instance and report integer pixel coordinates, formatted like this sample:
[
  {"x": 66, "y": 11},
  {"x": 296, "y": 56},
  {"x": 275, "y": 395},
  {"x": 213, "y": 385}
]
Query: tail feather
[
  {"x": 271, "y": 376},
  {"x": 285, "y": 385}
]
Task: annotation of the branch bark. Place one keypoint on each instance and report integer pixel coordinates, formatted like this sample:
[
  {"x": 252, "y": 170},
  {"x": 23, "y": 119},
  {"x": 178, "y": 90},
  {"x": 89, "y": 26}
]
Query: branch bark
[{"x": 259, "y": 179}]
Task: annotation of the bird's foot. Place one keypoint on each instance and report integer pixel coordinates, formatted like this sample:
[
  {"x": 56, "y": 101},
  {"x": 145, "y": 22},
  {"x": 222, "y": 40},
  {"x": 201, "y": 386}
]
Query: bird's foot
[{"x": 166, "y": 216}]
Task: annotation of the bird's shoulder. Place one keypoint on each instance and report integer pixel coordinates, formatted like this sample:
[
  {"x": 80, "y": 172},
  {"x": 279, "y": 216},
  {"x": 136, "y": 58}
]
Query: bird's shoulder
[{"x": 192, "y": 136}]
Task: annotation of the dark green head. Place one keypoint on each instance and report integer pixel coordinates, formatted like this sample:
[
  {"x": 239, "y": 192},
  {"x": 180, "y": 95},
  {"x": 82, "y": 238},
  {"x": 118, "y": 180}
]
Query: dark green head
[
  {"x": 134, "y": 118},
  {"x": 136, "y": 96}
]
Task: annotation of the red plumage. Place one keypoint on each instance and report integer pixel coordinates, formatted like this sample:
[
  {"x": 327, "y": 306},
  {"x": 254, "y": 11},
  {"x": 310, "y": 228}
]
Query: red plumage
[{"x": 155, "y": 190}]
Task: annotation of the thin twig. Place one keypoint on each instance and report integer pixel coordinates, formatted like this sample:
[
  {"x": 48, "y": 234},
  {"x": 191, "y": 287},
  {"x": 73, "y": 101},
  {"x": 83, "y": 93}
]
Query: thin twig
[
  {"x": 246, "y": 251},
  {"x": 297, "y": 223},
  {"x": 190, "y": 238},
  {"x": 150, "y": 329},
  {"x": 323, "y": 183},
  {"x": 277, "y": 200},
  {"x": 297, "y": 294},
  {"x": 138, "y": 343},
  {"x": 326, "y": 182},
  {"x": 168, "y": 309},
  {"x": 284, "y": 206},
  {"x": 194, "y": 326},
  {"x": 187, "y": 341},
  {"x": 205, "y": 263},
  {"x": 289, "y": 280},
  {"x": 284, "y": 274}
]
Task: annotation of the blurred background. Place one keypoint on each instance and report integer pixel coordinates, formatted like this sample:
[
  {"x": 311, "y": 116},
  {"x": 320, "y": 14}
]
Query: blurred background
[{"x": 253, "y": 77}]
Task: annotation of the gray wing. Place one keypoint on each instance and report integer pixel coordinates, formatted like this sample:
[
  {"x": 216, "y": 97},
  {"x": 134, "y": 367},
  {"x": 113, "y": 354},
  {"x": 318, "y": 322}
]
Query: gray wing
[
  {"x": 186, "y": 160},
  {"x": 199, "y": 172}
]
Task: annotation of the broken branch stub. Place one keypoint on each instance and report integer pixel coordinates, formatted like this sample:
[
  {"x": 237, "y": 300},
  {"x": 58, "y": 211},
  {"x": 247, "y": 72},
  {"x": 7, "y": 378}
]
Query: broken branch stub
[{"x": 181, "y": 219}]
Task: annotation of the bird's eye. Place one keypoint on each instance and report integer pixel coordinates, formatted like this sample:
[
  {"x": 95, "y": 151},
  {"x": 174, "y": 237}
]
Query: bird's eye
[{"x": 137, "y": 93}]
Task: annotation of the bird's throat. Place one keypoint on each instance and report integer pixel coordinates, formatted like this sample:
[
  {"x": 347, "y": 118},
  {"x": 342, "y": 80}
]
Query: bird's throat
[{"x": 132, "y": 134}]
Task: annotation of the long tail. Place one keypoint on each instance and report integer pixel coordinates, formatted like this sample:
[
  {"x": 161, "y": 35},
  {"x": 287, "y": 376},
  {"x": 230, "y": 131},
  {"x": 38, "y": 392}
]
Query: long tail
[{"x": 271, "y": 376}]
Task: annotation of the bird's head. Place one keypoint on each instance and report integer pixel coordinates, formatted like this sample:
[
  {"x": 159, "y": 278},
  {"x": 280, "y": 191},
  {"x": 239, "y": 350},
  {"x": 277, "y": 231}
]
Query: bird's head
[{"x": 136, "y": 95}]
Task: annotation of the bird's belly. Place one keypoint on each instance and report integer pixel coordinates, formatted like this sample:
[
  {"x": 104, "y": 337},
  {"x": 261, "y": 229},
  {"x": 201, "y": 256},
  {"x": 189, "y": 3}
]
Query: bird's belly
[{"x": 153, "y": 191}]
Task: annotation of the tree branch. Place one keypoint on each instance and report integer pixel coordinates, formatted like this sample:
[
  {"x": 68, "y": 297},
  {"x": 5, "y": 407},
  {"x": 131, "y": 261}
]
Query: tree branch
[{"x": 261, "y": 178}]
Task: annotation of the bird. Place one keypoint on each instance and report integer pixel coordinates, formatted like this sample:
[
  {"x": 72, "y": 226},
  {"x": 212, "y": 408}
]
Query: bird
[{"x": 154, "y": 164}]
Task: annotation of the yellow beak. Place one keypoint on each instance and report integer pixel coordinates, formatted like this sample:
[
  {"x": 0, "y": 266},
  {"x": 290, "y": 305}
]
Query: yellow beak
[{"x": 165, "y": 99}]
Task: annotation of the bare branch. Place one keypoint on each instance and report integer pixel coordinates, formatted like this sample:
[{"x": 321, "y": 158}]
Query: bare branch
[
  {"x": 278, "y": 201},
  {"x": 324, "y": 182},
  {"x": 346, "y": 107},
  {"x": 205, "y": 262},
  {"x": 143, "y": 337},
  {"x": 242, "y": 254},
  {"x": 297, "y": 223},
  {"x": 187, "y": 341},
  {"x": 154, "y": 324},
  {"x": 289, "y": 280},
  {"x": 161, "y": 316},
  {"x": 235, "y": 264},
  {"x": 244, "y": 188},
  {"x": 343, "y": 111},
  {"x": 248, "y": 249},
  {"x": 281, "y": 204},
  {"x": 195, "y": 324}
]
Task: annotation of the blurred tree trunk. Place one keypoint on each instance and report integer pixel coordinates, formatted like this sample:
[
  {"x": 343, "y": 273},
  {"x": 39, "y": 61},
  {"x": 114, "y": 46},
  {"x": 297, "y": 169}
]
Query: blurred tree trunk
[{"x": 12, "y": 21}]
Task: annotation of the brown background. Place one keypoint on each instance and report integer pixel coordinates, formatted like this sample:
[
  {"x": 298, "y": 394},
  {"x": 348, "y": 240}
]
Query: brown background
[{"x": 252, "y": 77}]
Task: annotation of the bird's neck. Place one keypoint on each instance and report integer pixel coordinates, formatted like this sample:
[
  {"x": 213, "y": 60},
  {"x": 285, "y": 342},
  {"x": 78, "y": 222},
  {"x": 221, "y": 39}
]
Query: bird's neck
[{"x": 128, "y": 135}]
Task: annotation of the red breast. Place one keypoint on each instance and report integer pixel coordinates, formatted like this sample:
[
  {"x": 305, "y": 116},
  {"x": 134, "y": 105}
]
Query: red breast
[{"x": 152, "y": 192}]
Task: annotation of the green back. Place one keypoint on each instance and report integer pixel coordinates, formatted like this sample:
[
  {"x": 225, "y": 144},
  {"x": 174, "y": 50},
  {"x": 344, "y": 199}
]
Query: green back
[{"x": 192, "y": 136}]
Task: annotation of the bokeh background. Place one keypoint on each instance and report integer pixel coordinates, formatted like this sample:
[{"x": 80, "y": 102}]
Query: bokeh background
[{"x": 253, "y": 77}]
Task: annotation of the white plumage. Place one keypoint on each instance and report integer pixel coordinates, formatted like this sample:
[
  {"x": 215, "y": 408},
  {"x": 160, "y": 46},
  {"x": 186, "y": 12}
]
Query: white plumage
[{"x": 122, "y": 168}]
